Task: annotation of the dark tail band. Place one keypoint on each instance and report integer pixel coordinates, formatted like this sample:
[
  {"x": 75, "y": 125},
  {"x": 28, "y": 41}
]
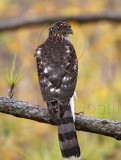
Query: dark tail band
[
  {"x": 67, "y": 136},
  {"x": 61, "y": 113}
]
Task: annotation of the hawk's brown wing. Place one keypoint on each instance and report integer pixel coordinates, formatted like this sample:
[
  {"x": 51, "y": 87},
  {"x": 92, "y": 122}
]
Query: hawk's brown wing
[{"x": 57, "y": 70}]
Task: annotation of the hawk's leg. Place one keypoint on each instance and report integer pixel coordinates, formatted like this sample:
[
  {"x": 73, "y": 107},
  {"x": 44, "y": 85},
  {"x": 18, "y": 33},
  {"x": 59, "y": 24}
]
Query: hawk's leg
[{"x": 53, "y": 110}]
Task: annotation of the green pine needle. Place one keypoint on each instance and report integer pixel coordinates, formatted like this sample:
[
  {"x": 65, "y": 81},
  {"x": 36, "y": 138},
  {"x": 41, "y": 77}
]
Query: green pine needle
[{"x": 12, "y": 76}]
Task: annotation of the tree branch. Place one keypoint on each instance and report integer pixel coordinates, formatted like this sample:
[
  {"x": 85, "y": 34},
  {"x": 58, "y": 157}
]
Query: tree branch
[
  {"x": 12, "y": 24},
  {"x": 84, "y": 123}
]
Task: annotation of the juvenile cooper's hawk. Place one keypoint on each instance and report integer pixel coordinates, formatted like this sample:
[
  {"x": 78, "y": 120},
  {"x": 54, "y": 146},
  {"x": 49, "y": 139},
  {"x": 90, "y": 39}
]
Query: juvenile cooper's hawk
[{"x": 57, "y": 67}]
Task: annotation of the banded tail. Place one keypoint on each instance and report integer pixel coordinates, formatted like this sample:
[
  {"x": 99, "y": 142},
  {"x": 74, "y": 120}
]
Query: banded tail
[{"x": 62, "y": 115}]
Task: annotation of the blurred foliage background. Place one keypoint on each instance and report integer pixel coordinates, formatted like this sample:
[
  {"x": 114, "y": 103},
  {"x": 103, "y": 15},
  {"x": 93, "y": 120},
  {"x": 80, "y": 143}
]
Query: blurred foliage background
[{"x": 98, "y": 46}]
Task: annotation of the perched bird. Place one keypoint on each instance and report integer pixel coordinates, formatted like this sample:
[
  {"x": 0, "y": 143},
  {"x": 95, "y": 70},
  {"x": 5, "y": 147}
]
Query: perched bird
[{"x": 57, "y": 67}]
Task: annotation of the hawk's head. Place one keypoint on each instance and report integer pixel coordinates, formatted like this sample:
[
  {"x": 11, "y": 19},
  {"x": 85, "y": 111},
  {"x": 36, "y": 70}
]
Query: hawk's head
[{"x": 61, "y": 29}]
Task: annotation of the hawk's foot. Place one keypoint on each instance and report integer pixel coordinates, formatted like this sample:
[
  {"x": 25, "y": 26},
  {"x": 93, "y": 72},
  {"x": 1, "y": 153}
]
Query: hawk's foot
[{"x": 79, "y": 113}]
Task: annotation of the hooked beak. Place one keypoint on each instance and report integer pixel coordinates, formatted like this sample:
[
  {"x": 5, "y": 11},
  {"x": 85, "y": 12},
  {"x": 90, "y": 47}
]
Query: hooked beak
[{"x": 70, "y": 31}]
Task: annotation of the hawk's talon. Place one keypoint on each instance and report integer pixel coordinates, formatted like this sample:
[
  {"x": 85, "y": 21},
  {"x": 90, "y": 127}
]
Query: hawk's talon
[{"x": 79, "y": 113}]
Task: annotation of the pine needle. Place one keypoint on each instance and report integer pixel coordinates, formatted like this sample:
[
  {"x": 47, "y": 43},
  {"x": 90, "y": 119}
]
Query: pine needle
[{"x": 12, "y": 76}]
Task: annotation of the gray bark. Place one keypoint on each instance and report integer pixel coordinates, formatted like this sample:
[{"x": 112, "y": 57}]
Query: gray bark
[{"x": 38, "y": 113}]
